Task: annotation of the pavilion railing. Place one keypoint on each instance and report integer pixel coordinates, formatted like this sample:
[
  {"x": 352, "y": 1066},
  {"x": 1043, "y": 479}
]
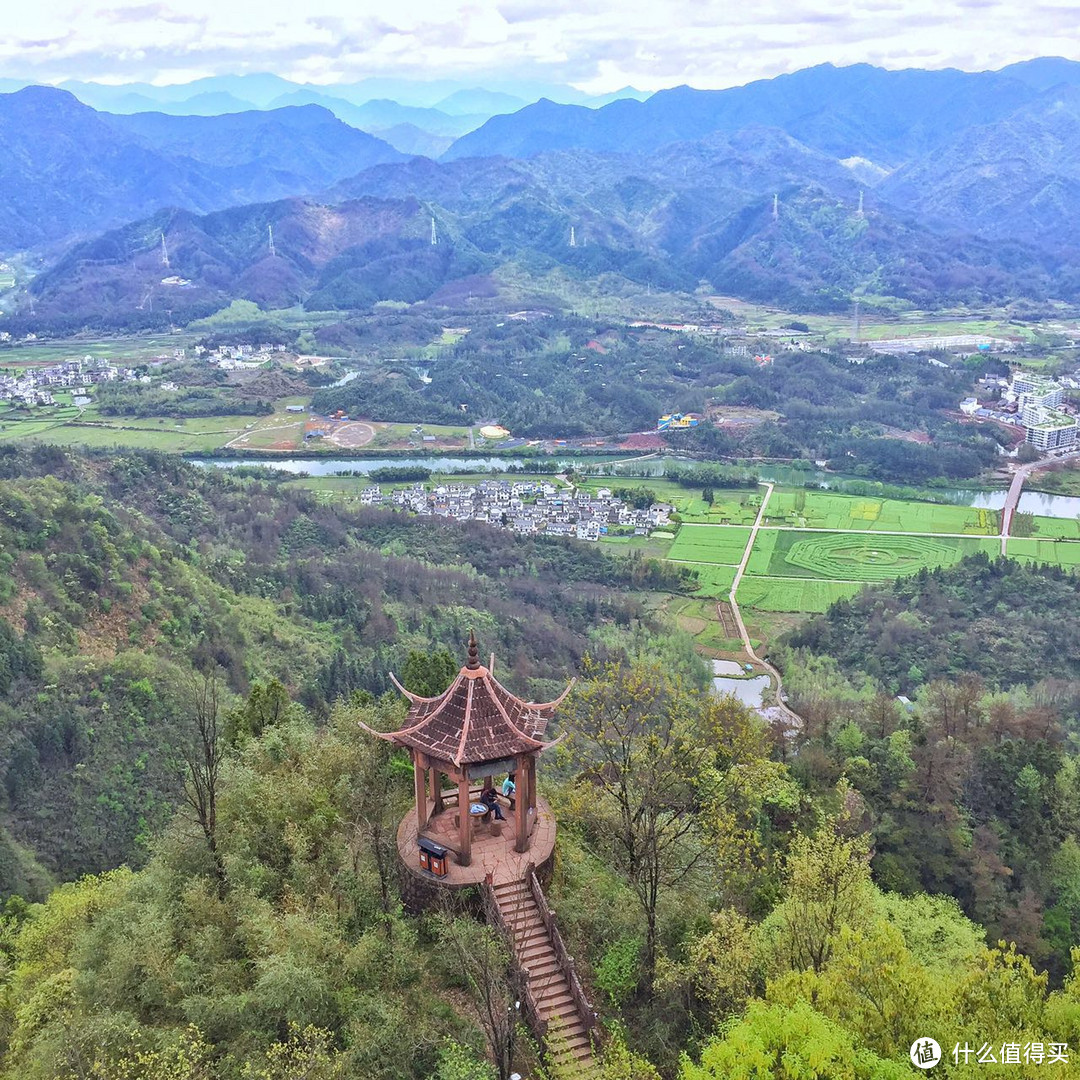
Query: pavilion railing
[
  {"x": 565, "y": 960},
  {"x": 529, "y": 1005}
]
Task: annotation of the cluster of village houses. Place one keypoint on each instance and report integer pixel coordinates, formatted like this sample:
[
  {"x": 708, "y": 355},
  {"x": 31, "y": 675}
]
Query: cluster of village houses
[
  {"x": 235, "y": 357},
  {"x": 1037, "y": 404},
  {"x": 35, "y": 386},
  {"x": 525, "y": 508}
]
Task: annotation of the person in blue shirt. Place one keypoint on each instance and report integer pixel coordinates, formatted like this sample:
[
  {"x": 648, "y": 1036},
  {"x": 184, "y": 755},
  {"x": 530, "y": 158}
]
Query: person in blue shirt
[{"x": 509, "y": 789}]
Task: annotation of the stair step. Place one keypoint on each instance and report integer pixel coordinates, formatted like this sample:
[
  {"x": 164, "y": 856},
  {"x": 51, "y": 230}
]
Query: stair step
[
  {"x": 534, "y": 949},
  {"x": 564, "y": 1043},
  {"x": 542, "y": 968},
  {"x": 577, "y": 1054},
  {"x": 553, "y": 1004}
]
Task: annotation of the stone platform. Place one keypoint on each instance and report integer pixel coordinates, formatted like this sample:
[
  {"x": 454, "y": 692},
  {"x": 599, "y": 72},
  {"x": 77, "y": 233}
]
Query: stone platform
[{"x": 490, "y": 854}]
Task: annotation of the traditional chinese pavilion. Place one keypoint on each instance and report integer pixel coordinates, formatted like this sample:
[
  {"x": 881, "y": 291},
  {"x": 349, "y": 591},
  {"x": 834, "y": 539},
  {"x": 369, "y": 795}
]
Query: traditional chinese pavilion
[{"x": 470, "y": 735}]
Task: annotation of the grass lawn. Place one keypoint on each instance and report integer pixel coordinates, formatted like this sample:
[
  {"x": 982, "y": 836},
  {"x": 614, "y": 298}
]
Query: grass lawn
[
  {"x": 826, "y": 510},
  {"x": 708, "y": 544},
  {"x": 850, "y": 557},
  {"x": 698, "y": 618}
]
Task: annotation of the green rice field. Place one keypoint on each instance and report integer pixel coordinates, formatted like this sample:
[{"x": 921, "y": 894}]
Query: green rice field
[
  {"x": 709, "y": 544},
  {"x": 804, "y": 595},
  {"x": 1056, "y": 528},
  {"x": 1052, "y": 552},
  {"x": 825, "y": 510},
  {"x": 714, "y": 580},
  {"x": 847, "y": 557}
]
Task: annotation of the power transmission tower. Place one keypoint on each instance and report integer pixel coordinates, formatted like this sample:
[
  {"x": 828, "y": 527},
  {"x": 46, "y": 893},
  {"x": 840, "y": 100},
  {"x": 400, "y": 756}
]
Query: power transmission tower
[
  {"x": 776, "y": 208},
  {"x": 164, "y": 252},
  {"x": 857, "y": 321},
  {"x": 434, "y": 234},
  {"x": 273, "y": 251},
  {"x": 861, "y": 205},
  {"x": 573, "y": 237}
]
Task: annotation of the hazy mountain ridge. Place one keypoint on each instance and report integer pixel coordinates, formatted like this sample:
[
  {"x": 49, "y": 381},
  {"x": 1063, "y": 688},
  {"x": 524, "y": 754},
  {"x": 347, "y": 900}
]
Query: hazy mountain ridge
[
  {"x": 886, "y": 116},
  {"x": 691, "y": 213},
  {"x": 68, "y": 170},
  {"x": 1017, "y": 176},
  {"x": 957, "y": 220}
]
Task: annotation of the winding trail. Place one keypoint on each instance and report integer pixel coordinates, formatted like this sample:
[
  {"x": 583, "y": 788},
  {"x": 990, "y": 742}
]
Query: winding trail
[{"x": 793, "y": 716}]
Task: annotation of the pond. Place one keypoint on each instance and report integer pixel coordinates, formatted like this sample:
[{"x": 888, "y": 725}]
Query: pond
[
  {"x": 749, "y": 691},
  {"x": 727, "y": 667}
]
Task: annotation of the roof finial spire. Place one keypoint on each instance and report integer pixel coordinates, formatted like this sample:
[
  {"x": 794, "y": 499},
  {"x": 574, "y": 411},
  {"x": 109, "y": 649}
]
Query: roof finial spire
[{"x": 474, "y": 652}]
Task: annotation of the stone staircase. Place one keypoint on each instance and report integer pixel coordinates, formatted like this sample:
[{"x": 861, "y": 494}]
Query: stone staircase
[{"x": 565, "y": 1017}]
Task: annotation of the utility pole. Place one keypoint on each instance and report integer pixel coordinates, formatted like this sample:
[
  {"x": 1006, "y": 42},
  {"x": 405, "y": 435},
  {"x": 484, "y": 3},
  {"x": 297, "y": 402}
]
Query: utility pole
[
  {"x": 776, "y": 208},
  {"x": 273, "y": 252},
  {"x": 861, "y": 205}
]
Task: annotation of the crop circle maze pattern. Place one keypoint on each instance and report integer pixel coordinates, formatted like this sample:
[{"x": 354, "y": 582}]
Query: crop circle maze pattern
[{"x": 868, "y": 558}]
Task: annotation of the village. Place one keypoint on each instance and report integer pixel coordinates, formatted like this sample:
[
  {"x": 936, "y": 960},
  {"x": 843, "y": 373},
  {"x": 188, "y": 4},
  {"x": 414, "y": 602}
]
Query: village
[
  {"x": 527, "y": 508},
  {"x": 1033, "y": 402}
]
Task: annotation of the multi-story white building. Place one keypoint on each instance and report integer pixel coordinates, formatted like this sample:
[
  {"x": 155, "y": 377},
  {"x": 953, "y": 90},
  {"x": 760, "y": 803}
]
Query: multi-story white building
[{"x": 1050, "y": 429}]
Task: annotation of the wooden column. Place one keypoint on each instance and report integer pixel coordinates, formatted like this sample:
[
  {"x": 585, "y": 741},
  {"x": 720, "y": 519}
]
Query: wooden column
[
  {"x": 436, "y": 790},
  {"x": 464, "y": 822},
  {"x": 521, "y": 811},
  {"x": 530, "y": 817},
  {"x": 419, "y": 776}
]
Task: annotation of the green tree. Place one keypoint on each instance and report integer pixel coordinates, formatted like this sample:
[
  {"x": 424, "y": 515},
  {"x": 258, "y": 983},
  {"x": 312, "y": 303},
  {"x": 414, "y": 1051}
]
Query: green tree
[
  {"x": 636, "y": 731},
  {"x": 428, "y": 674},
  {"x": 788, "y": 1042}
]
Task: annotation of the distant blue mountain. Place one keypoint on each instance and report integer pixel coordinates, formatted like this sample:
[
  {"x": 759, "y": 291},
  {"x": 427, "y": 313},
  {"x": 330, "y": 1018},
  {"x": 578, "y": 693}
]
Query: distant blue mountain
[
  {"x": 68, "y": 170},
  {"x": 886, "y": 116}
]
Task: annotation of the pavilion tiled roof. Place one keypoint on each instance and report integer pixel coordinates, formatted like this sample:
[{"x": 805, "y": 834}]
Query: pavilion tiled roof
[{"x": 476, "y": 720}]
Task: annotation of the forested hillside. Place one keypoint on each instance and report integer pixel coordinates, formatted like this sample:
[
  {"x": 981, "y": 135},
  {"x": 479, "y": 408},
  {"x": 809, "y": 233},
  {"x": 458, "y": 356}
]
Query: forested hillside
[
  {"x": 974, "y": 789},
  {"x": 124, "y": 575}
]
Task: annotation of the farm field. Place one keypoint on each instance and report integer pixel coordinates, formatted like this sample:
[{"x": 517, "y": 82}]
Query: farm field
[
  {"x": 793, "y": 553},
  {"x": 709, "y": 544},
  {"x": 65, "y": 427},
  {"x": 1055, "y": 528},
  {"x": 806, "y": 595},
  {"x": 714, "y": 580},
  {"x": 825, "y": 510},
  {"x": 1053, "y": 552}
]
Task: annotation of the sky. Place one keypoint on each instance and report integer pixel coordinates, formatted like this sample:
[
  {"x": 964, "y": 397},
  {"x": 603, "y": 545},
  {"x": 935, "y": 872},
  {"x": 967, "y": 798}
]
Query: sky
[{"x": 596, "y": 45}]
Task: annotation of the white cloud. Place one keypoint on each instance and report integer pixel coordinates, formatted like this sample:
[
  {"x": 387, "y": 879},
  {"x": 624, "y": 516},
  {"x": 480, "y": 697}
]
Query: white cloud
[{"x": 596, "y": 44}]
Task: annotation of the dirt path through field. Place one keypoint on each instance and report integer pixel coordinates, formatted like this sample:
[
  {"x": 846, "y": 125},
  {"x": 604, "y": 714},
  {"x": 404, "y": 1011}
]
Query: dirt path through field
[{"x": 743, "y": 633}]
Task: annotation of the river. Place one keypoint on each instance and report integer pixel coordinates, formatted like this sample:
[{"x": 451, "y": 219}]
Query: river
[{"x": 1031, "y": 502}]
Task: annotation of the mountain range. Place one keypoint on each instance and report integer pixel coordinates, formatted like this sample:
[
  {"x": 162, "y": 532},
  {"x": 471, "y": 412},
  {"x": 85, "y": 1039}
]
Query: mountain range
[
  {"x": 966, "y": 178},
  {"x": 69, "y": 170}
]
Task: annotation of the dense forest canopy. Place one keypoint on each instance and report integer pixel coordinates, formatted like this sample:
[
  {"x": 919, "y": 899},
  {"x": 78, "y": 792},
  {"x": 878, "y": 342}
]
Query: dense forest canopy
[
  {"x": 546, "y": 378},
  {"x": 731, "y": 893},
  {"x": 121, "y": 575}
]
